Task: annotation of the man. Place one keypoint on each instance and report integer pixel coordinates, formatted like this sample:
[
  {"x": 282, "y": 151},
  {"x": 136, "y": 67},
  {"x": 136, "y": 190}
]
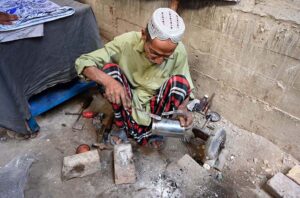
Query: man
[
  {"x": 145, "y": 70},
  {"x": 6, "y": 19}
]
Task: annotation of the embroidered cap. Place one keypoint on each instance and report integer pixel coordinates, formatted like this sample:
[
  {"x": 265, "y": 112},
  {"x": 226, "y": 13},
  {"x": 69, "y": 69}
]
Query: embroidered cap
[{"x": 166, "y": 24}]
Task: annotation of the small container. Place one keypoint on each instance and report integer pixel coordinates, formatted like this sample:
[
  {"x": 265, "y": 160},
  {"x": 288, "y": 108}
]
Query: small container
[{"x": 82, "y": 148}]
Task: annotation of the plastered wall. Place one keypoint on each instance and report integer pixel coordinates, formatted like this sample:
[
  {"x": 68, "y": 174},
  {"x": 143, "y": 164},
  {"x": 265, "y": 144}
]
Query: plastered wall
[{"x": 247, "y": 53}]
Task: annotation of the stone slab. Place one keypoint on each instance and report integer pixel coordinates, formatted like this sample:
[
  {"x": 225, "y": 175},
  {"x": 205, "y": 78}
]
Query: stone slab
[
  {"x": 190, "y": 166},
  {"x": 281, "y": 186},
  {"x": 294, "y": 174},
  {"x": 124, "y": 164},
  {"x": 80, "y": 165}
]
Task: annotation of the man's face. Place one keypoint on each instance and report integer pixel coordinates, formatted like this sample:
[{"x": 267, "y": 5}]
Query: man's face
[{"x": 158, "y": 51}]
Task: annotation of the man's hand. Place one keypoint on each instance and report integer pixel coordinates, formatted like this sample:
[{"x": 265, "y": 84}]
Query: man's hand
[
  {"x": 6, "y": 19},
  {"x": 114, "y": 91},
  {"x": 187, "y": 120}
]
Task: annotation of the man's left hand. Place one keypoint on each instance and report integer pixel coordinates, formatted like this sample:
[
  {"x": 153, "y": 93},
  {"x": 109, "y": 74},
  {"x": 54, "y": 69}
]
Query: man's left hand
[{"x": 187, "y": 119}]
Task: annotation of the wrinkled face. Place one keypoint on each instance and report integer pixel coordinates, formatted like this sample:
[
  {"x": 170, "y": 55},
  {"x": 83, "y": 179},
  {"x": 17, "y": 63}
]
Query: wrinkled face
[{"x": 157, "y": 51}]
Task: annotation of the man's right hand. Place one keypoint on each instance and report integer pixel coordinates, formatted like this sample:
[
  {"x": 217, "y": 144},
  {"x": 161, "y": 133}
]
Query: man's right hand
[
  {"x": 6, "y": 19},
  {"x": 114, "y": 91}
]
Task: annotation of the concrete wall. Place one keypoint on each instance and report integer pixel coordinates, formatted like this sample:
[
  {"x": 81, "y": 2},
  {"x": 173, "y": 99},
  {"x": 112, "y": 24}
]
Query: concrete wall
[{"x": 247, "y": 53}]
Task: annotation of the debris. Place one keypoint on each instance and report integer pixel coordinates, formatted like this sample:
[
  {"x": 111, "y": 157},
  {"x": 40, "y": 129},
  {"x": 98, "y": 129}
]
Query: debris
[
  {"x": 255, "y": 160},
  {"x": 294, "y": 174},
  {"x": 123, "y": 164},
  {"x": 80, "y": 165},
  {"x": 266, "y": 162},
  {"x": 281, "y": 186},
  {"x": 206, "y": 166},
  {"x": 232, "y": 157},
  {"x": 286, "y": 159},
  {"x": 219, "y": 176}
]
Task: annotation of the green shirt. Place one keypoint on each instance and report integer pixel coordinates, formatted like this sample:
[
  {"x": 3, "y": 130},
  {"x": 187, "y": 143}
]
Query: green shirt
[{"x": 127, "y": 50}]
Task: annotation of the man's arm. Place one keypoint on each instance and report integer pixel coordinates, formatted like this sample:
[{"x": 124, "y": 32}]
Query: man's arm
[{"x": 90, "y": 66}]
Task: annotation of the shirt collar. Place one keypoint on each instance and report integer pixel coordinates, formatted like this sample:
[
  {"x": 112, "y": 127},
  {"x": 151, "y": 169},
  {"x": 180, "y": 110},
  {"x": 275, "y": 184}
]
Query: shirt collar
[{"x": 140, "y": 48}]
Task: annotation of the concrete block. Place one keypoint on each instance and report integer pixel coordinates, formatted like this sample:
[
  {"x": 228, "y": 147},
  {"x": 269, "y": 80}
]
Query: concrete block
[
  {"x": 294, "y": 174},
  {"x": 80, "y": 165},
  {"x": 190, "y": 166},
  {"x": 281, "y": 186},
  {"x": 123, "y": 164}
]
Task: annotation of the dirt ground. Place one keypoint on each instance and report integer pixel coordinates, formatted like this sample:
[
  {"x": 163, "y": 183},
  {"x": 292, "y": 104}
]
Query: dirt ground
[{"x": 251, "y": 161}]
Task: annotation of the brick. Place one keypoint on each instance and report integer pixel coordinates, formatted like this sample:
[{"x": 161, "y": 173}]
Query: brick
[
  {"x": 80, "y": 165},
  {"x": 294, "y": 174},
  {"x": 123, "y": 164},
  {"x": 281, "y": 186}
]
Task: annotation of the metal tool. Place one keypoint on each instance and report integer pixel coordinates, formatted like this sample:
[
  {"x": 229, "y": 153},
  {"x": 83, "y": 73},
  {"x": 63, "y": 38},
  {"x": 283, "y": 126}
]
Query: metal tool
[
  {"x": 78, "y": 125},
  {"x": 103, "y": 124},
  {"x": 154, "y": 116},
  {"x": 86, "y": 114},
  {"x": 211, "y": 117}
]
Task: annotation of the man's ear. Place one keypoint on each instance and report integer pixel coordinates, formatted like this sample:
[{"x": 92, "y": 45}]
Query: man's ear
[{"x": 144, "y": 36}]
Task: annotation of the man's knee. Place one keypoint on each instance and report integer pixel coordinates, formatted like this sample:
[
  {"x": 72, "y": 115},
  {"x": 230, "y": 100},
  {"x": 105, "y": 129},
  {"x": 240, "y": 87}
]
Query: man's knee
[{"x": 180, "y": 81}]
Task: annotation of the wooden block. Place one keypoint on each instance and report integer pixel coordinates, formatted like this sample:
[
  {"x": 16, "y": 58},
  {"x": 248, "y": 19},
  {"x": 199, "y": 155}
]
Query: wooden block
[
  {"x": 294, "y": 174},
  {"x": 123, "y": 164},
  {"x": 281, "y": 186},
  {"x": 80, "y": 165}
]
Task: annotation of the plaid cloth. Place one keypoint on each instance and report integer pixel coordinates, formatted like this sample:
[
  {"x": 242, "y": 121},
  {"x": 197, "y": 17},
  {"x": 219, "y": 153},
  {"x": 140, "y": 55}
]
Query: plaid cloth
[{"x": 171, "y": 94}]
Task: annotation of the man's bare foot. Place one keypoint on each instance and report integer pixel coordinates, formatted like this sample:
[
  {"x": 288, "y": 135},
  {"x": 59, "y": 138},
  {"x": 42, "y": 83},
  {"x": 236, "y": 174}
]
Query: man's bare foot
[
  {"x": 116, "y": 140},
  {"x": 117, "y": 136}
]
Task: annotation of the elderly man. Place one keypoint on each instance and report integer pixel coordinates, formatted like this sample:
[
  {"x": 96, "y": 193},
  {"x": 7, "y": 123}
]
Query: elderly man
[{"x": 145, "y": 70}]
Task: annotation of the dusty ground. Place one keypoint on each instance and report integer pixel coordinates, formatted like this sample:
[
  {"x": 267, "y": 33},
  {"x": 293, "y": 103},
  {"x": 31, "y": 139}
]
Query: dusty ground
[{"x": 251, "y": 161}]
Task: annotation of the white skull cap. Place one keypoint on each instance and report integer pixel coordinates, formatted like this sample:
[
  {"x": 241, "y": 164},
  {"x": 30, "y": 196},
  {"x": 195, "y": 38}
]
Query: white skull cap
[{"x": 166, "y": 24}]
